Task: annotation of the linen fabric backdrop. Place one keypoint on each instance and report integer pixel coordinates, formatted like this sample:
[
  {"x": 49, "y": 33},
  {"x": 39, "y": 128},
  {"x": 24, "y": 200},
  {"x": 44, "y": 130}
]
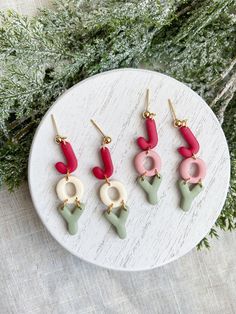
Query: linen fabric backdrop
[{"x": 38, "y": 276}]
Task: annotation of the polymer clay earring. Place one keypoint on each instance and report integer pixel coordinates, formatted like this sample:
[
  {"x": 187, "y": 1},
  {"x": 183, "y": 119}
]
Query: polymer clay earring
[
  {"x": 191, "y": 184},
  {"x": 146, "y": 145},
  {"x": 71, "y": 207},
  {"x": 118, "y": 219}
]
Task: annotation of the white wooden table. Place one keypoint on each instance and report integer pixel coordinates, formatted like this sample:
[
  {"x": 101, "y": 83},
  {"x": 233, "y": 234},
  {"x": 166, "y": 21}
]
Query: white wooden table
[{"x": 156, "y": 234}]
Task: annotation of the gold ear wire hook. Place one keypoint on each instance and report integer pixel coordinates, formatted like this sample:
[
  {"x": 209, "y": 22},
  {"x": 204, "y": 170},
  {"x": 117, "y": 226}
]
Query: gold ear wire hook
[
  {"x": 58, "y": 138},
  {"x": 147, "y": 113},
  {"x": 147, "y": 99},
  {"x": 106, "y": 139},
  {"x": 177, "y": 123},
  {"x": 172, "y": 109}
]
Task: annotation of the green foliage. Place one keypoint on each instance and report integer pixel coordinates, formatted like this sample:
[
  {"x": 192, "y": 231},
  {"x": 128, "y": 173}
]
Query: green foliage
[{"x": 193, "y": 41}]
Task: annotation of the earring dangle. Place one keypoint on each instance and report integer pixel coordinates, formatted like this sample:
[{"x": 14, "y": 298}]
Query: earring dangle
[
  {"x": 118, "y": 221},
  {"x": 190, "y": 185},
  {"x": 71, "y": 207},
  {"x": 150, "y": 187}
]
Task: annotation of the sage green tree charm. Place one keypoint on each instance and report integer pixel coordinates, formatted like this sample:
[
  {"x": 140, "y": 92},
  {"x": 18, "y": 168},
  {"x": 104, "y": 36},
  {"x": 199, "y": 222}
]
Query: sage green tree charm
[
  {"x": 151, "y": 189},
  {"x": 118, "y": 221},
  {"x": 72, "y": 217},
  {"x": 187, "y": 194}
]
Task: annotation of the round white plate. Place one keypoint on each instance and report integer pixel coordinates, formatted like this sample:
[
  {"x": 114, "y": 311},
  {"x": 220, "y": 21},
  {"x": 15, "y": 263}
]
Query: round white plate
[{"x": 156, "y": 234}]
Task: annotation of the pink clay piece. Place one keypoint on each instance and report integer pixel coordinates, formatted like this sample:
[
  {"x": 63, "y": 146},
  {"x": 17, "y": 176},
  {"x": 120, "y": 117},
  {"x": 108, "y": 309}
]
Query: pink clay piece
[
  {"x": 139, "y": 163},
  {"x": 184, "y": 170}
]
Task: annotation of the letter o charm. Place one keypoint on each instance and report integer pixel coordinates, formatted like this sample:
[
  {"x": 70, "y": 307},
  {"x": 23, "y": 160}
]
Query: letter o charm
[
  {"x": 184, "y": 170},
  {"x": 61, "y": 189},
  {"x": 105, "y": 198},
  {"x": 139, "y": 163}
]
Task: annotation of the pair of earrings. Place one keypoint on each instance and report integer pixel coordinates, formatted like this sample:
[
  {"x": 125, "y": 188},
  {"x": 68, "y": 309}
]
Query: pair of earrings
[
  {"x": 190, "y": 185},
  {"x": 71, "y": 207}
]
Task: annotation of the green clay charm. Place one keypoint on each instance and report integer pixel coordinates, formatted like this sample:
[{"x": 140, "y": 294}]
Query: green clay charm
[
  {"x": 72, "y": 217},
  {"x": 151, "y": 188},
  {"x": 118, "y": 221},
  {"x": 188, "y": 195}
]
